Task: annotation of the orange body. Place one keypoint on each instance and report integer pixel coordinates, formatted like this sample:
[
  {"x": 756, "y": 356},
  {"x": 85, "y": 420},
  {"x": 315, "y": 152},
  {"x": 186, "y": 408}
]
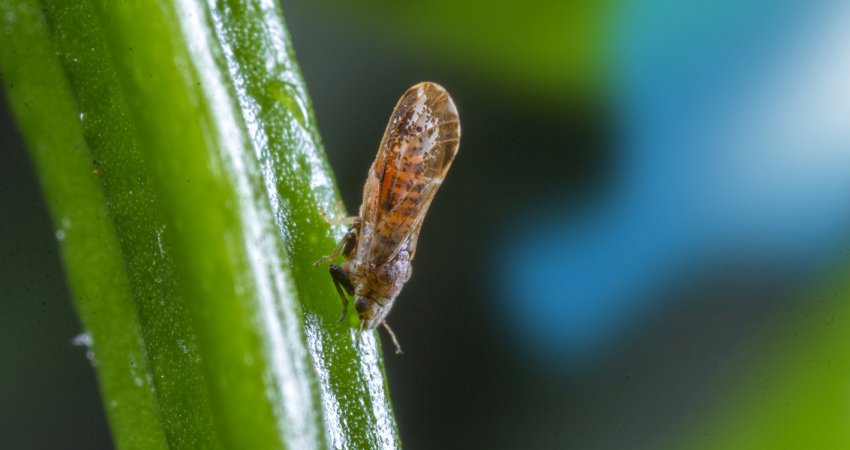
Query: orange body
[{"x": 419, "y": 145}]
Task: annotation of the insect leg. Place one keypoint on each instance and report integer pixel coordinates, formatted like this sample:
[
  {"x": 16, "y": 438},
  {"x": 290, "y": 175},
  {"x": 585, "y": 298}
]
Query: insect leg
[
  {"x": 392, "y": 336},
  {"x": 341, "y": 282},
  {"x": 360, "y": 331},
  {"x": 346, "y": 244},
  {"x": 332, "y": 221}
]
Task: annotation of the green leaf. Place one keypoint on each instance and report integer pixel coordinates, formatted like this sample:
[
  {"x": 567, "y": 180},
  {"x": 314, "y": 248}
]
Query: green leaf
[{"x": 181, "y": 163}]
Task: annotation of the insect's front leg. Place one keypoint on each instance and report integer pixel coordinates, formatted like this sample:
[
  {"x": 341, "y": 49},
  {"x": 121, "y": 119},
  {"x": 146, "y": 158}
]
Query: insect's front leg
[
  {"x": 389, "y": 331},
  {"x": 341, "y": 281},
  {"x": 346, "y": 244},
  {"x": 360, "y": 331}
]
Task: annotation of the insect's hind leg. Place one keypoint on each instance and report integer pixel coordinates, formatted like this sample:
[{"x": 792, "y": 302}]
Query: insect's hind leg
[{"x": 341, "y": 281}]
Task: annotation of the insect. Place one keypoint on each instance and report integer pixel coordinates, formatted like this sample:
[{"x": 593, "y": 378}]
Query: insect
[{"x": 419, "y": 145}]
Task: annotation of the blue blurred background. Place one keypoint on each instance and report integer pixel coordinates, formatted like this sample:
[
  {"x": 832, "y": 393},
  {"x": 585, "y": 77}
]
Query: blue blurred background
[{"x": 643, "y": 242}]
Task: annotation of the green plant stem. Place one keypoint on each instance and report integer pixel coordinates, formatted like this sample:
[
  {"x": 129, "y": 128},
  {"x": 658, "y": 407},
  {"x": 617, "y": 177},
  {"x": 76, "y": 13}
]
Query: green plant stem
[
  {"x": 177, "y": 140},
  {"x": 47, "y": 115},
  {"x": 275, "y": 104}
]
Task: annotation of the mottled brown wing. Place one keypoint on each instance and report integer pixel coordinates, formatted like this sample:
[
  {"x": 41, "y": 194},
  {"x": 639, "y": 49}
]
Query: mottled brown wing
[{"x": 418, "y": 147}]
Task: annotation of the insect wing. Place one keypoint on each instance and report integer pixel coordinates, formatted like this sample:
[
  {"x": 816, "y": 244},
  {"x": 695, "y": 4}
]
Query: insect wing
[{"x": 418, "y": 147}]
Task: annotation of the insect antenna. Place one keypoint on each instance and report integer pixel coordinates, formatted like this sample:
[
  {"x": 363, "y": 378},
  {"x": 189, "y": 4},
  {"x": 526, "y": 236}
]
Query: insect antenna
[{"x": 392, "y": 336}]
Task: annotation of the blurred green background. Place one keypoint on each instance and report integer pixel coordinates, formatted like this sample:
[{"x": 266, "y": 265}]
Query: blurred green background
[{"x": 641, "y": 244}]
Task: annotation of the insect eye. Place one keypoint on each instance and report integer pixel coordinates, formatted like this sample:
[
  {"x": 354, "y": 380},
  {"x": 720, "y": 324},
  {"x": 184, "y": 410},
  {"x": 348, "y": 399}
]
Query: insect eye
[{"x": 361, "y": 304}]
